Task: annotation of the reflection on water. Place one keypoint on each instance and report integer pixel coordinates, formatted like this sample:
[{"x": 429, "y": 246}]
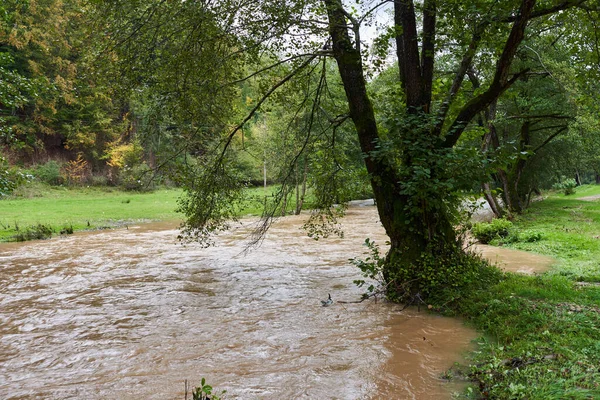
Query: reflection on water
[{"x": 130, "y": 314}]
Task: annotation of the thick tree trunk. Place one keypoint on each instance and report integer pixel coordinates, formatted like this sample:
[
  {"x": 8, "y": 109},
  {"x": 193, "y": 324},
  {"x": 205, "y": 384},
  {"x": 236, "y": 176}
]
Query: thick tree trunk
[
  {"x": 410, "y": 198},
  {"x": 413, "y": 229}
]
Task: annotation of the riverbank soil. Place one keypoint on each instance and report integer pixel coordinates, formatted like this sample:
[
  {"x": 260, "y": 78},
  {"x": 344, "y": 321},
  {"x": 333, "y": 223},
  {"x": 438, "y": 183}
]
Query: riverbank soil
[{"x": 542, "y": 333}]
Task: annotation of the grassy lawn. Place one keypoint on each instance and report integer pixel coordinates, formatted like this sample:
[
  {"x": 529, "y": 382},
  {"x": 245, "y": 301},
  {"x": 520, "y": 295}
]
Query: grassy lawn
[{"x": 542, "y": 333}]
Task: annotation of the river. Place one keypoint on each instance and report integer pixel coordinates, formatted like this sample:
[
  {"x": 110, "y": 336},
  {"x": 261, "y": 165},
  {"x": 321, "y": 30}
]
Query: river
[{"x": 132, "y": 313}]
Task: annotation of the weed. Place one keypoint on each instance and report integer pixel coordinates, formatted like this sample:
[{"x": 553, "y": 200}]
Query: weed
[
  {"x": 205, "y": 392},
  {"x": 34, "y": 232}
]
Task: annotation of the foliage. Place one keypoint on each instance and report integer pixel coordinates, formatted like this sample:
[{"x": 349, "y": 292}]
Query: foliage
[
  {"x": 485, "y": 232},
  {"x": 441, "y": 282},
  {"x": 205, "y": 392},
  {"x": 76, "y": 171},
  {"x": 371, "y": 268},
  {"x": 137, "y": 178},
  {"x": 33, "y": 232},
  {"x": 567, "y": 186},
  {"x": 121, "y": 155},
  {"x": 51, "y": 100},
  {"x": 49, "y": 173},
  {"x": 11, "y": 178}
]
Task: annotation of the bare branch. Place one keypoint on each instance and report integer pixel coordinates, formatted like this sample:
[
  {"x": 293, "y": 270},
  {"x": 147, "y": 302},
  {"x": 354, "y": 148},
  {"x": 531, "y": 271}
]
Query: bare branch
[{"x": 269, "y": 67}]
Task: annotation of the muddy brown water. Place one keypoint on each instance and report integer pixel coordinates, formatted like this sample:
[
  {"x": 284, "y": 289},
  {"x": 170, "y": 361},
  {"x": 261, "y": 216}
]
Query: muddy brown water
[{"x": 130, "y": 314}]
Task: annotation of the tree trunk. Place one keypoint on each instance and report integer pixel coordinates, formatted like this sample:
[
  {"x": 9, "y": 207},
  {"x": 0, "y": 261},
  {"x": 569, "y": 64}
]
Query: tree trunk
[
  {"x": 491, "y": 200},
  {"x": 300, "y": 201},
  {"x": 415, "y": 226}
]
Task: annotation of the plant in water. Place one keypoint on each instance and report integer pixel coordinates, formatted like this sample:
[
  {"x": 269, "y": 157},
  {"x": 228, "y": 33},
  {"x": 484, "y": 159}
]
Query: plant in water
[
  {"x": 205, "y": 392},
  {"x": 372, "y": 269}
]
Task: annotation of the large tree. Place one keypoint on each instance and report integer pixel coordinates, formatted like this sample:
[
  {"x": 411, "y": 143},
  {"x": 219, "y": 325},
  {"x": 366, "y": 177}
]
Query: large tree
[{"x": 416, "y": 157}]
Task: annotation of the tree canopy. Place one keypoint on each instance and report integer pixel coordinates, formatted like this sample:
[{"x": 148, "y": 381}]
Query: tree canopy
[{"x": 475, "y": 85}]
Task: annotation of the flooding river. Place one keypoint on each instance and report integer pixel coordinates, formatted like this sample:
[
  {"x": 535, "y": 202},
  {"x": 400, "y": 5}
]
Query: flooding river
[{"x": 130, "y": 314}]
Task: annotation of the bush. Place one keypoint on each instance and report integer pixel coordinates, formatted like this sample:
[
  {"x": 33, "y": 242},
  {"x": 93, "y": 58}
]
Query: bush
[
  {"x": 11, "y": 178},
  {"x": 531, "y": 236},
  {"x": 138, "y": 178},
  {"x": 49, "y": 173},
  {"x": 567, "y": 186},
  {"x": 98, "y": 180},
  {"x": 485, "y": 232}
]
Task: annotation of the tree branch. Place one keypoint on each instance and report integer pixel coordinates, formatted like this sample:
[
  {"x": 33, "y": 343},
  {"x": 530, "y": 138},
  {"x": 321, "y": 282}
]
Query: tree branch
[
  {"x": 476, "y": 105},
  {"x": 550, "y": 138},
  {"x": 407, "y": 49},
  {"x": 549, "y": 10},
  {"x": 261, "y": 101},
  {"x": 428, "y": 51},
  {"x": 500, "y": 82}
]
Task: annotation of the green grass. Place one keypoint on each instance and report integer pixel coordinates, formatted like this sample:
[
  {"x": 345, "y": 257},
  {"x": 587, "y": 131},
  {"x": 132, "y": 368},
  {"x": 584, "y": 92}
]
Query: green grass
[
  {"x": 34, "y": 207},
  {"x": 542, "y": 333},
  {"x": 83, "y": 208}
]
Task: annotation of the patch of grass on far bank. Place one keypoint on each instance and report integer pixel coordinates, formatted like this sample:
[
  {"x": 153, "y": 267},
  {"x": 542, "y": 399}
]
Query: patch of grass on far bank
[
  {"x": 542, "y": 333},
  {"x": 60, "y": 208},
  {"x": 36, "y": 209}
]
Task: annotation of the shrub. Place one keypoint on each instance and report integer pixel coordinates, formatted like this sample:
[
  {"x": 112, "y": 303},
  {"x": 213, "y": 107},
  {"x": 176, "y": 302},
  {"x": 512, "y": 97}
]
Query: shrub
[
  {"x": 485, "y": 232},
  {"x": 531, "y": 236},
  {"x": 98, "y": 180},
  {"x": 567, "y": 186},
  {"x": 76, "y": 171},
  {"x": 11, "y": 178},
  {"x": 34, "y": 232},
  {"x": 49, "y": 173},
  {"x": 138, "y": 178}
]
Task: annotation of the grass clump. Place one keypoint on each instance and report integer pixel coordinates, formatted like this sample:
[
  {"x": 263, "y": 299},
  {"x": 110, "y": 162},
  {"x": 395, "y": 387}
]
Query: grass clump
[{"x": 34, "y": 232}]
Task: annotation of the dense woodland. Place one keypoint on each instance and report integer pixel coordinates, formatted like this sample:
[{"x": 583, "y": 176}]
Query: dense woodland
[{"x": 446, "y": 100}]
